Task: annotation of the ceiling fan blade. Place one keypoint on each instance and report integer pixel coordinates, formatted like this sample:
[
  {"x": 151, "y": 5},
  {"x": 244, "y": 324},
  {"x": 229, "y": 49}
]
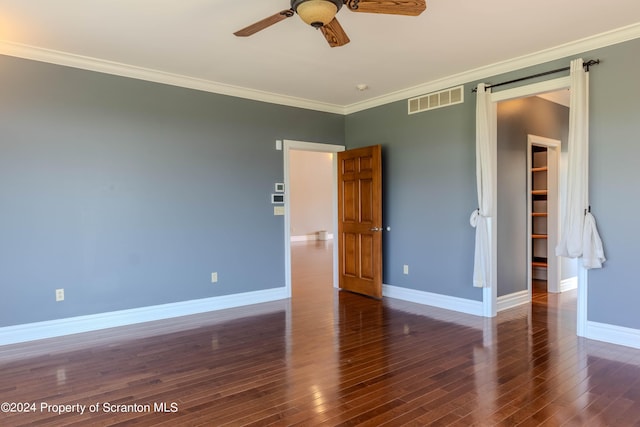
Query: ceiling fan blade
[
  {"x": 389, "y": 7},
  {"x": 334, "y": 33},
  {"x": 266, "y": 22}
]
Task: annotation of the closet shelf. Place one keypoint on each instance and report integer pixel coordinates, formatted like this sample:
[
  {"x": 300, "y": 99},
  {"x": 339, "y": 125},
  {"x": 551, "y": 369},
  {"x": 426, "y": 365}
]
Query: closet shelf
[
  {"x": 539, "y": 261},
  {"x": 538, "y": 236},
  {"x": 538, "y": 192},
  {"x": 539, "y": 214},
  {"x": 540, "y": 169}
]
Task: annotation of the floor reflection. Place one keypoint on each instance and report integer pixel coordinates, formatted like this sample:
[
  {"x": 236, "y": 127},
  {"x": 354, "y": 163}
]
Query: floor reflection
[
  {"x": 422, "y": 364},
  {"x": 334, "y": 358}
]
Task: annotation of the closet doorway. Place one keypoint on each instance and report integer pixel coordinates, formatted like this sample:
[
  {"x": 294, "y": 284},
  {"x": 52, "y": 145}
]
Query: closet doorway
[{"x": 543, "y": 161}]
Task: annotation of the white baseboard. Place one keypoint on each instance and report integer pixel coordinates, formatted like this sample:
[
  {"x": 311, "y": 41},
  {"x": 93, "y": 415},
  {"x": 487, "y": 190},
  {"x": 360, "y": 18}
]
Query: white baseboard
[
  {"x": 569, "y": 284},
  {"x": 596, "y": 331},
  {"x": 74, "y": 325},
  {"x": 513, "y": 300},
  {"x": 613, "y": 334},
  {"x": 436, "y": 300}
]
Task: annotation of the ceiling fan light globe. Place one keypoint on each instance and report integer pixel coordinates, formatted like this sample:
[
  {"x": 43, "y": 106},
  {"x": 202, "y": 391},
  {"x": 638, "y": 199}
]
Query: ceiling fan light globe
[{"x": 316, "y": 13}]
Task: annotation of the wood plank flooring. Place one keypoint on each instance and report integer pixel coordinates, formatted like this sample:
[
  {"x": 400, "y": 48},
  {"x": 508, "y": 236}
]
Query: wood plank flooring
[{"x": 329, "y": 358}]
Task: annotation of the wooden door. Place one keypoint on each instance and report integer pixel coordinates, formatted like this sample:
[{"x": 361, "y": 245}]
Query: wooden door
[{"x": 360, "y": 220}]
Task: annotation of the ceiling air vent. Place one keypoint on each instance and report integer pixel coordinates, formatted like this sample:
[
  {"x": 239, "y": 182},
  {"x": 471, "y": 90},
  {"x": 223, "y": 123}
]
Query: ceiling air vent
[{"x": 434, "y": 100}]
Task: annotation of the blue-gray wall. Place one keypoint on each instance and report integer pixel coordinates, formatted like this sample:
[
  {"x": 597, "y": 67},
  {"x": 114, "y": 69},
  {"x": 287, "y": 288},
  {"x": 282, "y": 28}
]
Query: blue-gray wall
[
  {"x": 428, "y": 193},
  {"x": 614, "y": 291},
  {"x": 429, "y": 189},
  {"x": 128, "y": 193},
  {"x": 516, "y": 120}
]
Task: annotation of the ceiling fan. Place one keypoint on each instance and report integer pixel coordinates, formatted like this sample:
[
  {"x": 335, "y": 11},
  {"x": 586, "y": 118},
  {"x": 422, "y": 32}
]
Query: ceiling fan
[{"x": 321, "y": 14}]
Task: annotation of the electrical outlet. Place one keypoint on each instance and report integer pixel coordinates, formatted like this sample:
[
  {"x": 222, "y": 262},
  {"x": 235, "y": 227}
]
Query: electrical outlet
[
  {"x": 214, "y": 277},
  {"x": 405, "y": 269},
  {"x": 59, "y": 295}
]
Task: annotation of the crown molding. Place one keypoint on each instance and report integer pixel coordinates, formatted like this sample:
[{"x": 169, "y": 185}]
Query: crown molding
[
  {"x": 115, "y": 68},
  {"x": 597, "y": 41},
  {"x": 124, "y": 70}
]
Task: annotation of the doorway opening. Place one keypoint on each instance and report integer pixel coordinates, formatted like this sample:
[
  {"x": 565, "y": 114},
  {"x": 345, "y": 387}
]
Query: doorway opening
[
  {"x": 543, "y": 155},
  {"x": 306, "y": 210},
  {"x": 528, "y": 191}
]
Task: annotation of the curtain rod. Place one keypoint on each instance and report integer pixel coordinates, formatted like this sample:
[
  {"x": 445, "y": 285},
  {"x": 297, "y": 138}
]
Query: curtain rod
[{"x": 559, "y": 70}]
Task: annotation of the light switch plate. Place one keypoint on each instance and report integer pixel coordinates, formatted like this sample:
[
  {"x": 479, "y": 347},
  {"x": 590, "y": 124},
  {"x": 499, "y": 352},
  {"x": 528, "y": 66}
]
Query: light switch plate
[{"x": 278, "y": 210}]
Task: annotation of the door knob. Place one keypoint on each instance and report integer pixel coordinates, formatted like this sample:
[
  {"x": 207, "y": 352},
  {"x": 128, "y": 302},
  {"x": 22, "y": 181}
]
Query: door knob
[{"x": 375, "y": 229}]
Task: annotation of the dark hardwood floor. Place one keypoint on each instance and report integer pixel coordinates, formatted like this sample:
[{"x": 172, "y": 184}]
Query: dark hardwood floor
[{"x": 329, "y": 358}]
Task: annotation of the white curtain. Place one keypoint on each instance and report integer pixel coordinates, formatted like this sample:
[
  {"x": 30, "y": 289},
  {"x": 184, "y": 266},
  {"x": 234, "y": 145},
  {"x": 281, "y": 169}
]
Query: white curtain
[
  {"x": 481, "y": 218},
  {"x": 579, "y": 235}
]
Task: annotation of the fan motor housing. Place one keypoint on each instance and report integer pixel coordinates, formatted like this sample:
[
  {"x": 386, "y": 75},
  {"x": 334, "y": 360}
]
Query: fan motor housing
[{"x": 296, "y": 3}]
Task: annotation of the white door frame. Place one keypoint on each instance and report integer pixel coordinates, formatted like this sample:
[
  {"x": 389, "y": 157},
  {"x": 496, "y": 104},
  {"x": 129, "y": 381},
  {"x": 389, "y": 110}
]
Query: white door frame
[
  {"x": 489, "y": 296},
  {"x": 553, "y": 208},
  {"x": 317, "y": 147}
]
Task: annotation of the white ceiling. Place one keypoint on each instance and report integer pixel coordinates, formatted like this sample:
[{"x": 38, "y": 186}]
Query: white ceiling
[{"x": 193, "y": 39}]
